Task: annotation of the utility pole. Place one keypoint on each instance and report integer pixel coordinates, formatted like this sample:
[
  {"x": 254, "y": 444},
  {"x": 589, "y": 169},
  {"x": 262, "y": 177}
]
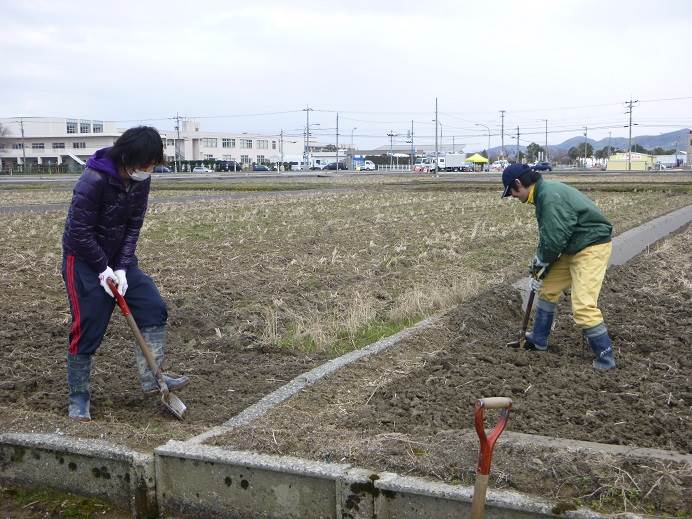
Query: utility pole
[
  {"x": 517, "y": 144},
  {"x": 306, "y": 149},
  {"x": 502, "y": 132},
  {"x": 586, "y": 141},
  {"x": 546, "y": 138},
  {"x": 337, "y": 142},
  {"x": 437, "y": 151},
  {"x": 629, "y": 104},
  {"x": 452, "y": 143},
  {"x": 281, "y": 145},
  {"x": 413, "y": 150},
  {"x": 391, "y": 136},
  {"x": 21, "y": 125},
  {"x": 177, "y": 142},
  {"x": 608, "y": 152}
]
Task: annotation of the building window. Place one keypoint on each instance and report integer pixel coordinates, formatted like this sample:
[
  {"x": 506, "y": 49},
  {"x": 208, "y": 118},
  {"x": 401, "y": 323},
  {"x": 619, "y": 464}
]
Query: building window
[
  {"x": 58, "y": 145},
  {"x": 261, "y": 159},
  {"x": 17, "y": 146},
  {"x": 2, "y": 146},
  {"x": 262, "y": 144},
  {"x": 79, "y": 145},
  {"x": 38, "y": 146},
  {"x": 209, "y": 143},
  {"x": 273, "y": 145},
  {"x": 71, "y": 126},
  {"x": 246, "y": 143},
  {"x": 245, "y": 159},
  {"x": 208, "y": 156},
  {"x": 85, "y": 127},
  {"x": 228, "y": 143},
  {"x": 170, "y": 142},
  {"x": 98, "y": 127}
]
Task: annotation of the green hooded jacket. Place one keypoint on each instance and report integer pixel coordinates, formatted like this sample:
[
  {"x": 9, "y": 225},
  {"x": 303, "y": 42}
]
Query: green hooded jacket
[{"x": 568, "y": 220}]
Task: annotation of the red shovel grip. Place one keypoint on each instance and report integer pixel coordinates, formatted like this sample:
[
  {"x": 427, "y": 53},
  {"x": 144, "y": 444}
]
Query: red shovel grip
[
  {"x": 118, "y": 297},
  {"x": 488, "y": 442}
]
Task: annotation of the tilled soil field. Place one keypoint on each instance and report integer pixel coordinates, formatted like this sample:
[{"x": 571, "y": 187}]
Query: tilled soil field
[
  {"x": 409, "y": 410},
  {"x": 259, "y": 291}
]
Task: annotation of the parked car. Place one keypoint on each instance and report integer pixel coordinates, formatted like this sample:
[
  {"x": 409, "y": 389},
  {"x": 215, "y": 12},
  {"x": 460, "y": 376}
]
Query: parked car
[
  {"x": 161, "y": 169},
  {"x": 260, "y": 167},
  {"x": 228, "y": 165},
  {"x": 543, "y": 166},
  {"x": 201, "y": 169},
  {"x": 332, "y": 165}
]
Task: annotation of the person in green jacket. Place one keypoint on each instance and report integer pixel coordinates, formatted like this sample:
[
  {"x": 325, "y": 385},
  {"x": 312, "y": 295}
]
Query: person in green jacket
[{"x": 574, "y": 246}]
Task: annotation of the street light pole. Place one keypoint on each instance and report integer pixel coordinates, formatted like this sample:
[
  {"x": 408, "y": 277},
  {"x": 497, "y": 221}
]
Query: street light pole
[
  {"x": 586, "y": 142},
  {"x": 437, "y": 151},
  {"x": 546, "y": 138},
  {"x": 487, "y": 128},
  {"x": 337, "y": 142},
  {"x": 502, "y": 131}
]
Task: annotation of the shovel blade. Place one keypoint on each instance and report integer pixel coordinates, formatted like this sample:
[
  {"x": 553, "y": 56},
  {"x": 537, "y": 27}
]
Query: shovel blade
[
  {"x": 174, "y": 405},
  {"x": 514, "y": 344}
]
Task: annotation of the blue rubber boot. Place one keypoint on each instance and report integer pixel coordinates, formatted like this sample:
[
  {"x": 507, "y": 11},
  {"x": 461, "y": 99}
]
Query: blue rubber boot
[
  {"x": 155, "y": 337},
  {"x": 542, "y": 325},
  {"x": 599, "y": 341},
  {"x": 78, "y": 377}
]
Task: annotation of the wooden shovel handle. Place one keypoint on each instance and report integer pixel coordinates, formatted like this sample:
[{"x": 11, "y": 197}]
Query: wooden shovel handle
[
  {"x": 495, "y": 402},
  {"x": 125, "y": 309}
]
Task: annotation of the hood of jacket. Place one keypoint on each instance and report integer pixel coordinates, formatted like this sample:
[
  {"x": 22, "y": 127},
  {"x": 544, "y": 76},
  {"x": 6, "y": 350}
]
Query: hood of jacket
[{"x": 100, "y": 162}]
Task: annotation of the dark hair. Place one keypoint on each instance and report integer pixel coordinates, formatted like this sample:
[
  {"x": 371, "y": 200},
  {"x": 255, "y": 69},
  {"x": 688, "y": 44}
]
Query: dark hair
[
  {"x": 530, "y": 177},
  {"x": 137, "y": 147}
]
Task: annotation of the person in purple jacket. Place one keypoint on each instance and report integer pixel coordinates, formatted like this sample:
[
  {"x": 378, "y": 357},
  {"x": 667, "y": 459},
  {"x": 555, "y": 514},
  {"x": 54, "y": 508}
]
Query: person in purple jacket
[{"x": 101, "y": 232}]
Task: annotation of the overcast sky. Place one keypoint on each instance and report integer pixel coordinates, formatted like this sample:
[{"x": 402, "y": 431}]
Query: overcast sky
[{"x": 379, "y": 63}]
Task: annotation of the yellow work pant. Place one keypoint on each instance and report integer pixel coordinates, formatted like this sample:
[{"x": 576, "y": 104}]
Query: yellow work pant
[{"x": 584, "y": 273}]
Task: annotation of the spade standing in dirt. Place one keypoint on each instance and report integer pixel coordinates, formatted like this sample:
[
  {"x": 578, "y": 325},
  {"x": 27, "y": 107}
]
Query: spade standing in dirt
[
  {"x": 574, "y": 245},
  {"x": 99, "y": 242}
]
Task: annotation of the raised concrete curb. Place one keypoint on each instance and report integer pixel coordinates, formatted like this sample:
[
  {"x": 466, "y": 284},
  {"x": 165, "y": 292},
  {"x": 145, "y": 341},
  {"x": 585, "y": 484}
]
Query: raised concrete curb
[
  {"x": 204, "y": 481},
  {"x": 87, "y": 467}
]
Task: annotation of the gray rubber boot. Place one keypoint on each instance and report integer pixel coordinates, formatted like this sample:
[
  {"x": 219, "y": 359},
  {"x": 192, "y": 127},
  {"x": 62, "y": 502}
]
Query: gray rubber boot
[
  {"x": 78, "y": 377},
  {"x": 542, "y": 325},
  {"x": 599, "y": 341},
  {"x": 155, "y": 337}
]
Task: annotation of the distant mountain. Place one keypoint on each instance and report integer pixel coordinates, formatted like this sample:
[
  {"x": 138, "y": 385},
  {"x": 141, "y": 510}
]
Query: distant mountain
[{"x": 665, "y": 140}]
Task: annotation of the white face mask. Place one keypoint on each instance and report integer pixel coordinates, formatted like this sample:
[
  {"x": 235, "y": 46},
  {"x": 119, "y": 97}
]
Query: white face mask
[{"x": 138, "y": 175}]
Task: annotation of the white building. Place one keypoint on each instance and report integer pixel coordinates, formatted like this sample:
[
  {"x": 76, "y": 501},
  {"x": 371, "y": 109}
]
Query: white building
[{"x": 51, "y": 140}]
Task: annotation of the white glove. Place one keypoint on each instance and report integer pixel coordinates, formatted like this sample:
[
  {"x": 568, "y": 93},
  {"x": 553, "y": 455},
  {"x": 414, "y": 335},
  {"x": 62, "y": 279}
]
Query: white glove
[
  {"x": 103, "y": 276},
  {"x": 122, "y": 281},
  {"x": 535, "y": 284}
]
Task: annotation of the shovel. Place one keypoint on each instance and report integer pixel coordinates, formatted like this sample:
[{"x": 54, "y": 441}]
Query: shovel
[
  {"x": 485, "y": 453},
  {"x": 521, "y": 342},
  {"x": 172, "y": 402}
]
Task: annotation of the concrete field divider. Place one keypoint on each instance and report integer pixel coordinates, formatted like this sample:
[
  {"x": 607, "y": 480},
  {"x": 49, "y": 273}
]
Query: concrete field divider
[{"x": 88, "y": 467}]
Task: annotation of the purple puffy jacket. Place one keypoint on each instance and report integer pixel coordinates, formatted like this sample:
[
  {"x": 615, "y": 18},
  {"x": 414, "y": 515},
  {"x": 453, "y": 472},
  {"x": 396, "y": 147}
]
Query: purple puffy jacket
[{"x": 105, "y": 216}]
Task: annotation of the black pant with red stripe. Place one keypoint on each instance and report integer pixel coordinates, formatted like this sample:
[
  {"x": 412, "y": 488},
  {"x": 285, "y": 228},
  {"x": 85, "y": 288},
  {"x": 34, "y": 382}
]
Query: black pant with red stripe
[{"x": 91, "y": 307}]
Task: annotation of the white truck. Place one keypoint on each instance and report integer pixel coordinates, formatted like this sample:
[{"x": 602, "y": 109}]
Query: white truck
[{"x": 454, "y": 162}]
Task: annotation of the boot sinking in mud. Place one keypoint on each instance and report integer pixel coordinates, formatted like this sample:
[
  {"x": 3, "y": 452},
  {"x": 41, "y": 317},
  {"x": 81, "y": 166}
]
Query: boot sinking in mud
[{"x": 155, "y": 337}]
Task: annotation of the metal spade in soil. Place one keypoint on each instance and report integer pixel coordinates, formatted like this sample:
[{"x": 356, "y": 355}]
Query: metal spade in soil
[{"x": 169, "y": 400}]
